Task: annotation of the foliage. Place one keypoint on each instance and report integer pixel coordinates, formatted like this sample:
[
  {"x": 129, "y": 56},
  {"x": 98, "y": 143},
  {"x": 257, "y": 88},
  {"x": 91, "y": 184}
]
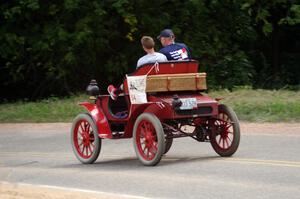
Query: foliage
[
  {"x": 56, "y": 47},
  {"x": 272, "y": 13},
  {"x": 275, "y": 53}
]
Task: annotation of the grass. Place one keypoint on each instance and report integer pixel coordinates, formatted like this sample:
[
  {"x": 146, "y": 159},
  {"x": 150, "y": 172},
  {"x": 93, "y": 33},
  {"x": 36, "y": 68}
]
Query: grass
[
  {"x": 250, "y": 105},
  {"x": 50, "y": 110},
  {"x": 263, "y": 105}
]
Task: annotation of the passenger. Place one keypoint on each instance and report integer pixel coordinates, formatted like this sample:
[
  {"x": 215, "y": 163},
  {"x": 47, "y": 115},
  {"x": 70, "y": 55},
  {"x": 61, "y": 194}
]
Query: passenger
[
  {"x": 151, "y": 56},
  {"x": 172, "y": 50}
]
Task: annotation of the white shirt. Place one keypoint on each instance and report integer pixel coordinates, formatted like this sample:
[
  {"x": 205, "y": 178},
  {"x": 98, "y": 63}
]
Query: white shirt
[{"x": 151, "y": 58}]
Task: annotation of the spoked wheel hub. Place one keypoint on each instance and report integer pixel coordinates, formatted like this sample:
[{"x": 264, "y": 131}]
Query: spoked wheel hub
[
  {"x": 149, "y": 140},
  {"x": 84, "y": 139},
  {"x": 87, "y": 138},
  {"x": 224, "y": 135},
  {"x": 146, "y": 140}
]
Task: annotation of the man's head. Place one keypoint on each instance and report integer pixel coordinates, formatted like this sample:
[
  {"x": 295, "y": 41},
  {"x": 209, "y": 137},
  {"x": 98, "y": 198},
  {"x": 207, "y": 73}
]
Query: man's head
[
  {"x": 166, "y": 37},
  {"x": 147, "y": 42}
]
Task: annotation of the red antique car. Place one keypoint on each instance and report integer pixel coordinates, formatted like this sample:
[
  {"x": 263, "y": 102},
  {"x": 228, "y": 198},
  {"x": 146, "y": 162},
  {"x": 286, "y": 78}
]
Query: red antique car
[{"x": 173, "y": 107}]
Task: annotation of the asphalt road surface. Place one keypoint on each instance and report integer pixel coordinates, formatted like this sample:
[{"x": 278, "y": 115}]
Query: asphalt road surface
[{"x": 266, "y": 165}]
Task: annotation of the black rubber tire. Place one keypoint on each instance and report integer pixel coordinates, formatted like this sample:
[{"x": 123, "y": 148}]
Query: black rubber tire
[
  {"x": 97, "y": 140},
  {"x": 236, "y": 133},
  {"x": 160, "y": 139},
  {"x": 168, "y": 144}
]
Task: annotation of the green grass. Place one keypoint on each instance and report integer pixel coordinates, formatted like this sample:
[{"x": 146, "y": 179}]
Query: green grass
[
  {"x": 263, "y": 105},
  {"x": 50, "y": 110},
  {"x": 250, "y": 105}
]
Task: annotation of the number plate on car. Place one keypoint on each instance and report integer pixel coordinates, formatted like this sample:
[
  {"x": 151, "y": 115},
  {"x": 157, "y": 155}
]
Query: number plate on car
[{"x": 188, "y": 103}]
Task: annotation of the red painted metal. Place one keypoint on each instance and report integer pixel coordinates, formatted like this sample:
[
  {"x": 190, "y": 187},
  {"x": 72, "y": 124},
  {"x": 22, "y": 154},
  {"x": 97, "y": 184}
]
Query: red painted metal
[
  {"x": 134, "y": 112},
  {"x": 168, "y": 68},
  {"x": 99, "y": 118},
  {"x": 168, "y": 112}
]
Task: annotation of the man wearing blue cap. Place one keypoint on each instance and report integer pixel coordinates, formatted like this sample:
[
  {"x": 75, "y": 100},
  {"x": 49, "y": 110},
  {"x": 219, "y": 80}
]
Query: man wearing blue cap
[{"x": 172, "y": 50}]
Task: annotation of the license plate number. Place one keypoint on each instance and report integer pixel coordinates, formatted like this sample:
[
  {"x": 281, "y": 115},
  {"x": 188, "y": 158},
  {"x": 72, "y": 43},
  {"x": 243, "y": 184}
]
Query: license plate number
[{"x": 188, "y": 103}]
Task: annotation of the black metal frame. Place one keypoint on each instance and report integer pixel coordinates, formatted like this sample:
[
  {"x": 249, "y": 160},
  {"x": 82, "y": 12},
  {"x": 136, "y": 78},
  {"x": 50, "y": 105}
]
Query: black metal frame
[
  {"x": 200, "y": 135},
  {"x": 201, "y": 132}
]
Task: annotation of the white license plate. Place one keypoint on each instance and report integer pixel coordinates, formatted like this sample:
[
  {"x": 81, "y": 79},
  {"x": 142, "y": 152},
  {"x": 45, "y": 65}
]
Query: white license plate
[{"x": 188, "y": 103}]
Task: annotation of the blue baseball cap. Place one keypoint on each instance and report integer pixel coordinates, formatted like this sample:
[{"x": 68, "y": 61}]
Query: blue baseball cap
[{"x": 166, "y": 33}]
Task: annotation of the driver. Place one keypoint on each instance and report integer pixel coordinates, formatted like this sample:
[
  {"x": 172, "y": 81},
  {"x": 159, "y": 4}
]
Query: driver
[{"x": 172, "y": 50}]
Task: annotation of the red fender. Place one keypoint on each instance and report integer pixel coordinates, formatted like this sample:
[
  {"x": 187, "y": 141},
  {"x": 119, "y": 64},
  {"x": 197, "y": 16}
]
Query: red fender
[
  {"x": 99, "y": 118},
  {"x": 161, "y": 111}
]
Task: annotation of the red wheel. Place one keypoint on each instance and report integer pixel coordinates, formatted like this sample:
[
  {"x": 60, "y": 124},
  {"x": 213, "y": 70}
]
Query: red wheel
[
  {"x": 149, "y": 140},
  {"x": 84, "y": 139},
  {"x": 225, "y": 134}
]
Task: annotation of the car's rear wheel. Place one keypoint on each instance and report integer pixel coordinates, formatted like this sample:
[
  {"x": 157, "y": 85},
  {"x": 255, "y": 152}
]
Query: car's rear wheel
[
  {"x": 148, "y": 139},
  {"x": 168, "y": 144},
  {"x": 225, "y": 133},
  {"x": 85, "y": 141}
]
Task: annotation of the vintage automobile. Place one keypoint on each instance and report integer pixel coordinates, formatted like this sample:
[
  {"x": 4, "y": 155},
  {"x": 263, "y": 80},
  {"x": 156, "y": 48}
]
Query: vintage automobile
[{"x": 175, "y": 107}]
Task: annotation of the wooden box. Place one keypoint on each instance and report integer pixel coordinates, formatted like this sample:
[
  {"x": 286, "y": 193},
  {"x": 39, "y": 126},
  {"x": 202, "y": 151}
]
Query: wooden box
[{"x": 176, "y": 82}]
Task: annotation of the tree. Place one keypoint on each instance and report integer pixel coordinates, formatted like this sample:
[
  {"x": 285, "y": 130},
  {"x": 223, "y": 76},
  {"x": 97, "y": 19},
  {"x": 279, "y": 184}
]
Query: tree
[
  {"x": 272, "y": 19},
  {"x": 56, "y": 47}
]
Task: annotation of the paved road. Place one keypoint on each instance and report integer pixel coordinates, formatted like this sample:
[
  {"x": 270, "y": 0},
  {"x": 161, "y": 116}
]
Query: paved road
[{"x": 267, "y": 165}]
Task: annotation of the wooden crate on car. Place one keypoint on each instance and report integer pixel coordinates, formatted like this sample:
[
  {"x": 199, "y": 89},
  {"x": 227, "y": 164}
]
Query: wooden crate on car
[{"x": 176, "y": 82}]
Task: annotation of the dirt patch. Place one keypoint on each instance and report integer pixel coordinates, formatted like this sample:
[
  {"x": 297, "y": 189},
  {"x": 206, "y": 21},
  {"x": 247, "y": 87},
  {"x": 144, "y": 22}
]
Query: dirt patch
[
  {"x": 35, "y": 127},
  {"x": 25, "y": 191},
  {"x": 271, "y": 128}
]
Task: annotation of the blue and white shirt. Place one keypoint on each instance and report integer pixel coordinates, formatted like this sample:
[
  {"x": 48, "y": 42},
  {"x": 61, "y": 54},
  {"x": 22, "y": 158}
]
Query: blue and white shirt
[{"x": 176, "y": 51}]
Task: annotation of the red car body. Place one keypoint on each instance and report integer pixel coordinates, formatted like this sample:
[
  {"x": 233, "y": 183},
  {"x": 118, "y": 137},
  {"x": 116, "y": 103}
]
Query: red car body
[{"x": 115, "y": 119}]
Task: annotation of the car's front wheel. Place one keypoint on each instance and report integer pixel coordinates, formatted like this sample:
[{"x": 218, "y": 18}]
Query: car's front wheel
[
  {"x": 85, "y": 141},
  {"x": 225, "y": 134},
  {"x": 148, "y": 139}
]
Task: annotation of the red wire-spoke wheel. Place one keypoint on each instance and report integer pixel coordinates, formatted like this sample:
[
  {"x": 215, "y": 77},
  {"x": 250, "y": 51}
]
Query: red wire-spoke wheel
[
  {"x": 84, "y": 139},
  {"x": 225, "y": 132},
  {"x": 149, "y": 139}
]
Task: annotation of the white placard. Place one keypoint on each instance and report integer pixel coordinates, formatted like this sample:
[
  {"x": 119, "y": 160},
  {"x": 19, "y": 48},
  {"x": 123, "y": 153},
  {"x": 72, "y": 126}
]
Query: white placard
[{"x": 137, "y": 89}]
